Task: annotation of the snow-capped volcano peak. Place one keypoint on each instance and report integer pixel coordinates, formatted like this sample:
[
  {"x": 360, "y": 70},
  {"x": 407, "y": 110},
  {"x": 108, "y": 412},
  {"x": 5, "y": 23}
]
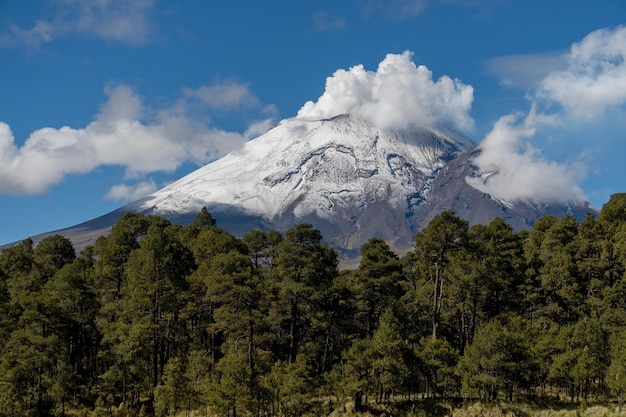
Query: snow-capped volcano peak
[
  {"x": 325, "y": 168},
  {"x": 350, "y": 179}
]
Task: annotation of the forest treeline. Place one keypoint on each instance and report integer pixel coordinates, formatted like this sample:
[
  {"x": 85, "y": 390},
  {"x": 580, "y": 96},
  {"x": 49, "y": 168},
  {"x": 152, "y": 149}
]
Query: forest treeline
[{"x": 160, "y": 319}]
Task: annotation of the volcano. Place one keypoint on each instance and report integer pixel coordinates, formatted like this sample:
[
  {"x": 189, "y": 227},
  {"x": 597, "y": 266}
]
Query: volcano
[{"x": 350, "y": 179}]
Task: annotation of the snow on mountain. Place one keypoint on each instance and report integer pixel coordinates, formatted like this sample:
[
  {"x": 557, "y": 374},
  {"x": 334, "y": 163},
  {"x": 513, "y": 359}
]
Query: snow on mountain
[
  {"x": 334, "y": 170},
  {"x": 350, "y": 179},
  {"x": 313, "y": 167}
]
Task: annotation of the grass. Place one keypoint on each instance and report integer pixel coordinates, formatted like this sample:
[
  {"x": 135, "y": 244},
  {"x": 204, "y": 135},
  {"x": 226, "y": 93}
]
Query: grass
[
  {"x": 452, "y": 408},
  {"x": 456, "y": 408}
]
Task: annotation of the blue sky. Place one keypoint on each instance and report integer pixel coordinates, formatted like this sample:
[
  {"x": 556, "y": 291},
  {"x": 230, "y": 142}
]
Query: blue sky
[{"x": 103, "y": 101}]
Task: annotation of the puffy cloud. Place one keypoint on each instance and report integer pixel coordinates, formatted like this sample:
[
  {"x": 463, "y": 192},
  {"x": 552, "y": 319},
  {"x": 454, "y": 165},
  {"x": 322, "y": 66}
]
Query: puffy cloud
[
  {"x": 131, "y": 192},
  {"x": 124, "y": 133},
  {"x": 512, "y": 169},
  {"x": 124, "y": 21},
  {"x": 595, "y": 77},
  {"x": 398, "y": 94},
  {"x": 584, "y": 85}
]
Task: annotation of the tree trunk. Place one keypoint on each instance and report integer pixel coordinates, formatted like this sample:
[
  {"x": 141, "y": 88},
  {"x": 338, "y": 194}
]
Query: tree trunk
[
  {"x": 292, "y": 332},
  {"x": 251, "y": 344},
  {"x": 436, "y": 303},
  {"x": 358, "y": 401},
  {"x": 326, "y": 350}
]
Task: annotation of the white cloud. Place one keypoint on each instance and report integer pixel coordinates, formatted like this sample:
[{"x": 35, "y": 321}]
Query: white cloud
[
  {"x": 136, "y": 191},
  {"x": 124, "y": 133},
  {"x": 595, "y": 77},
  {"x": 590, "y": 84},
  {"x": 512, "y": 169},
  {"x": 126, "y": 21},
  {"x": 398, "y": 94}
]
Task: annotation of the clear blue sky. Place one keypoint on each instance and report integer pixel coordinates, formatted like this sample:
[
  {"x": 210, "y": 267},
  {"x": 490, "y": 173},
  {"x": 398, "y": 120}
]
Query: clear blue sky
[{"x": 102, "y": 101}]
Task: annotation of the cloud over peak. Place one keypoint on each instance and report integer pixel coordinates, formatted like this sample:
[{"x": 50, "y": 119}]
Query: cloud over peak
[
  {"x": 512, "y": 169},
  {"x": 398, "y": 94}
]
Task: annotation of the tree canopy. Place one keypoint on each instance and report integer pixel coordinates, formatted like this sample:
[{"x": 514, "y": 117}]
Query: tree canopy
[{"x": 161, "y": 319}]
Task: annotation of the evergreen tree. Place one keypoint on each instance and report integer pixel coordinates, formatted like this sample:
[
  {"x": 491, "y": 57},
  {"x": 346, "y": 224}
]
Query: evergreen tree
[
  {"x": 113, "y": 250},
  {"x": 261, "y": 247},
  {"x": 616, "y": 373},
  {"x": 443, "y": 236},
  {"x": 388, "y": 352},
  {"x": 377, "y": 282},
  {"x": 582, "y": 357},
  {"x": 592, "y": 269},
  {"x": 499, "y": 359},
  {"x": 173, "y": 392},
  {"x": 356, "y": 370},
  {"x": 146, "y": 330},
  {"x": 438, "y": 361},
  {"x": 236, "y": 292},
  {"x": 35, "y": 366},
  {"x": 303, "y": 271}
]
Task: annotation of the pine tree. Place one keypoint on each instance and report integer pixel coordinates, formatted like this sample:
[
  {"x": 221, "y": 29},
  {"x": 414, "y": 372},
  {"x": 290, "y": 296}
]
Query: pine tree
[
  {"x": 303, "y": 271},
  {"x": 444, "y": 235},
  {"x": 616, "y": 373}
]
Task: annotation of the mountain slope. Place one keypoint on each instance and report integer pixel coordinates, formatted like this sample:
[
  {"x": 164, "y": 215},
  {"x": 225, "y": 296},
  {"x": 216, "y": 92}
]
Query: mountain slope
[{"x": 348, "y": 178}]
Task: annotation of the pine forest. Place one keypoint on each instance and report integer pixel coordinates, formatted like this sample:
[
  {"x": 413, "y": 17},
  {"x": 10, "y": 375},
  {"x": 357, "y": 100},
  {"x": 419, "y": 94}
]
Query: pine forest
[{"x": 160, "y": 319}]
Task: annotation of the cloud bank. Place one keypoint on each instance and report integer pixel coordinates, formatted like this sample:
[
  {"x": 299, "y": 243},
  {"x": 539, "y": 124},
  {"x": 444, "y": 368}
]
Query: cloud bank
[
  {"x": 124, "y": 133},
  {"x": 398, "y": 94},
  {"x": 592, "y": 84}
]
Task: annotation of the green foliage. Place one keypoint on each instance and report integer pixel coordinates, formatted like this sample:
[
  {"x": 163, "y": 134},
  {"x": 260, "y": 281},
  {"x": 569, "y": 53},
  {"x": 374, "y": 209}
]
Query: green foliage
[
  {"x": 162, "y": 319},
  {"x": 173, "y": 393},
  {"x": 388, "y": 352},
  {"x": 261, "y": 246},
  {"x": 438, "y": 361},
  {"x": 434, "y": 247},
  {"x": 302, "y": 273},
  {"x": 616, "y": 373},
  {"x": 378, "y": 282},
  {"x": 613, "y": 212},
  {"x": 499, "y": 359},
  {"x": 293, "y": 387}
]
